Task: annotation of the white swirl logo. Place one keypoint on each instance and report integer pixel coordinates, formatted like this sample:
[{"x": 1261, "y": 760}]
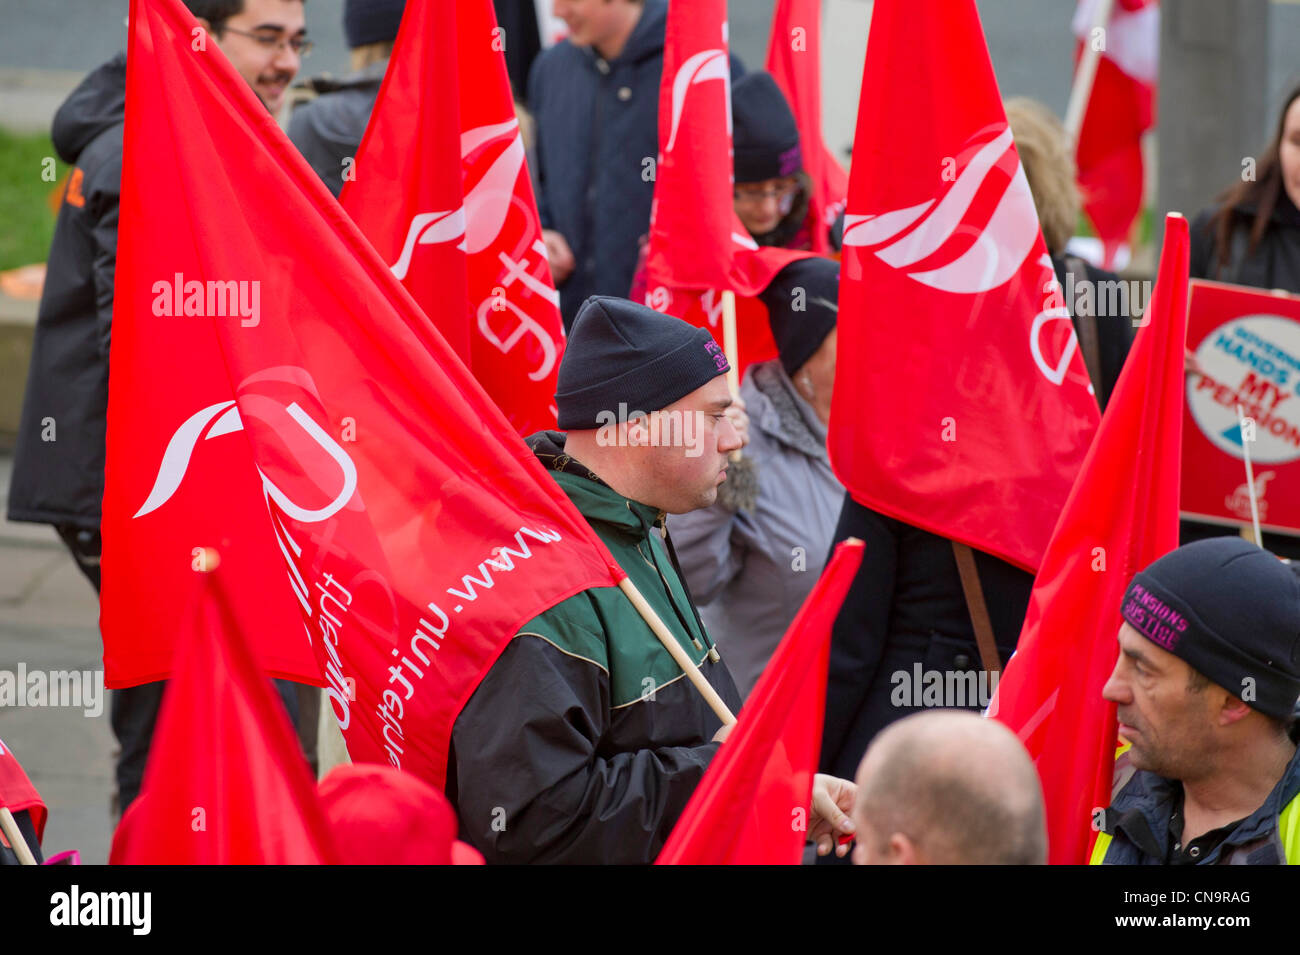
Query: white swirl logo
[
  {"x": 223, "y": 418},
  {"x": 999, "y": 250}
]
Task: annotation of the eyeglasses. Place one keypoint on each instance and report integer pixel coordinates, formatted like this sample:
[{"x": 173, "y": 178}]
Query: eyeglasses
[
  {"x": 783, "y": 194},
  {"x": 273, "y": 42}
]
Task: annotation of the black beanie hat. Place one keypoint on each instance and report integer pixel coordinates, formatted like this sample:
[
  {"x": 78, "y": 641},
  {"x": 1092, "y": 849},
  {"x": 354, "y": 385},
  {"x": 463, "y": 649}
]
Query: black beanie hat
[
  {"x": 764, "y": 135},
  {"x": 371, "y": 21},
  {"x": 622, "y": 353},
  {"x": 802, "y": 305},
  {"x": 1231, "y": 611}
]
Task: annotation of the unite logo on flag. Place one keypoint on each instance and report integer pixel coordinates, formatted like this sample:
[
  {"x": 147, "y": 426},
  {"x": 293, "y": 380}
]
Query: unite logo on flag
[
  {"x": 322, "y": 464},
  {"x": 430, "y": 228},
  {"x": 492, "y": 160},
  {"x": 491, "y": 188},
  {"x": 931, "y": 242},
  {"x": 699, "y": 68}
]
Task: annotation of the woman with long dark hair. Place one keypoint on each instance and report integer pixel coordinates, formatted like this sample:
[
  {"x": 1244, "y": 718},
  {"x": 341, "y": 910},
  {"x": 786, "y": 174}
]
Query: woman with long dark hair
[{"x": 1252, "y": 237}]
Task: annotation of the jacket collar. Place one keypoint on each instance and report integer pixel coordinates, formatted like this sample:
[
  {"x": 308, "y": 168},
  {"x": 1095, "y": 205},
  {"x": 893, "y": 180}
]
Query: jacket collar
[
  {"x": 595, "y": 499},
  {"x": 647, "y": 39},
  {"x": 784, "y": 414},
  {"x": 1143, "y": 807}
]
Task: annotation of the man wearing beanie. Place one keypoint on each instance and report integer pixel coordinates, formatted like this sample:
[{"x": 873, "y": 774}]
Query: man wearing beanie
[
  {"x": 1205, "y": 688},
  {"x": 584, "y": 741},
  {"x": 328, "y": 128},
  {"x": 772, "y": 190},
  {"x": 751, "y": 563}
]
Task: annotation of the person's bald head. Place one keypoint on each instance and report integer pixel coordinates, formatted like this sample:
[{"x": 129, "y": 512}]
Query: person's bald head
[{"x": 947, "y": 787}]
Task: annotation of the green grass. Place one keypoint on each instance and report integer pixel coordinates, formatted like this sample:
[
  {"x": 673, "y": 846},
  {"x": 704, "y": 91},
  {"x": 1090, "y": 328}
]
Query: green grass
[
  {"x": 26, "y": 219},
  {"x": 1145, "y": 227}
]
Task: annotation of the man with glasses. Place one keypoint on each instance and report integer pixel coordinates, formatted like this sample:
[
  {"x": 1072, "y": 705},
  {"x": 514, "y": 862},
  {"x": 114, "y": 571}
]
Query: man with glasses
[
  {"x": 58, "y": 475},
  {"x": 265, "y": 41}
]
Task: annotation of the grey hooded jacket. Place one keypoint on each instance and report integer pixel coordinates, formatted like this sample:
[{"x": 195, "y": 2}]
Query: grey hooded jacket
[{"x": 750, "y": 569}]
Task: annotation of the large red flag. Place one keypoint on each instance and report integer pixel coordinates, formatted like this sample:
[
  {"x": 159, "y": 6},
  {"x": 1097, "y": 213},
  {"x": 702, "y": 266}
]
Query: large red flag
[
  {"x": 794, "y": 58},
  {"x": 416, "y": 148},
  {"x": 226, "y": 783},
  {"x": 698, "y": 247},
  {"x": 747, "y": 808},
  {"x": 416, "y": 531},
  {"x": 960, "y": 405},
  {"x": 1122, "y": 514},
  {"x": 692, "y": 217},
  {"x": 1121, "y": 107}
]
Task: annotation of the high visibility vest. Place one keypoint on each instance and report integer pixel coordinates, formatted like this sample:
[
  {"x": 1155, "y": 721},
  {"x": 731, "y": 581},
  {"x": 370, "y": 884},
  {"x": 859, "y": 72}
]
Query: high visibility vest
[{"x": 1288, "y": 824}]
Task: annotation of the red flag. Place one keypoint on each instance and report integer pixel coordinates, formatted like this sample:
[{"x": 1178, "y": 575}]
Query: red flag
[
  {"x": 416, "y": 531},
  {"x": 693, "y": 216},
  {"x": 416, "y": 149},
  {"x": 742, "y": 811},
  {"x": 226, "y": 783},
  {"x": 794, "y": 57},
  {"x": 1121, "y": 107},
  {"x": 1121, "y": 515},
  {"x": 17, "y": 792},
  {"x": 698, "y": 246},
  {"x": 960, "y": 405}
]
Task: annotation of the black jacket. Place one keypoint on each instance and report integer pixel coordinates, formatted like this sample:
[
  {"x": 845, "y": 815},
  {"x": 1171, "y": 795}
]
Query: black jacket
[
  {"x": 328, "y": 129},
  {"x": 58, "y": 475},
  {"x": 584, "y": 741},
  {"x": 597, "y": 134},
  {"x": 1135, "y": 827},
  {"x": 904, "y": 608},
  {"x": 1114, "y": 332},
  {"x": 1275, "y": 263}
]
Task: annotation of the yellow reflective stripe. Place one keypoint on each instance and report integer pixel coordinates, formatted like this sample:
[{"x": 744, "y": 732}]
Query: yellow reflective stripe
[
  {"x": 1288, "y": 822},
  {"x": 1099, "y": 848},
  {"x": 1104, "y": 839}
]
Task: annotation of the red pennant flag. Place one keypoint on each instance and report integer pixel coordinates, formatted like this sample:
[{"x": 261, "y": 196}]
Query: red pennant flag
[
  {"x": 743, "y": 809},
  {"x": 17, "y": 792},
  {"x": 1120, "y": 109},
  {"x": 1121, "y": 515},
  {"x": 698, "y": 246},
  {"x": 693, "y": 217},
  {"x": 961, "y": 406},
  {"x": 794, "y": 58},
  {"x": 416, "y": 532},
  {"x": 226, "y": 783},
  {"x": 420, "y": 153}
]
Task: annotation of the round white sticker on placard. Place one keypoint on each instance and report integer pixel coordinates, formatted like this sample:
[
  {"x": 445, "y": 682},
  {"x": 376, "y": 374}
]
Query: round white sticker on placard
[{"x": 1254, "y": 360}]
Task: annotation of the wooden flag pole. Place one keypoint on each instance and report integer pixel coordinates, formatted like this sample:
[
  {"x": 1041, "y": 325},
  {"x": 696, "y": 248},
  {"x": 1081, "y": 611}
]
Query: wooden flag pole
[
  {"x": 730, "y": 350},
  {"x": 1250, "y": 478},
  {"x": 1083, "y": 80},
  {"x": 729, "y": 340},
  {"x": 675, "y": 649},
  {"x": 16, "y": 841}
]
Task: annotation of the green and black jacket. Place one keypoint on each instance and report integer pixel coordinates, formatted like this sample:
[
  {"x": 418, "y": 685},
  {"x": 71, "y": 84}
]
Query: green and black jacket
[{"x": 585, "y": 740}]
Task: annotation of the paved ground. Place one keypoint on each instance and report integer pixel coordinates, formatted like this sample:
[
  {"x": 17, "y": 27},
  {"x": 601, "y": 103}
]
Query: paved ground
[{"x": 49, "y": 621}]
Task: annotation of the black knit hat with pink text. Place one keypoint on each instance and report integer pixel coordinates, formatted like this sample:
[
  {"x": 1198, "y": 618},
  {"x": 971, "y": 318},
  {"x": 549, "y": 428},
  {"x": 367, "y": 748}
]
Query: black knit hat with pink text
[{"x": 1231, "y": 611}]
